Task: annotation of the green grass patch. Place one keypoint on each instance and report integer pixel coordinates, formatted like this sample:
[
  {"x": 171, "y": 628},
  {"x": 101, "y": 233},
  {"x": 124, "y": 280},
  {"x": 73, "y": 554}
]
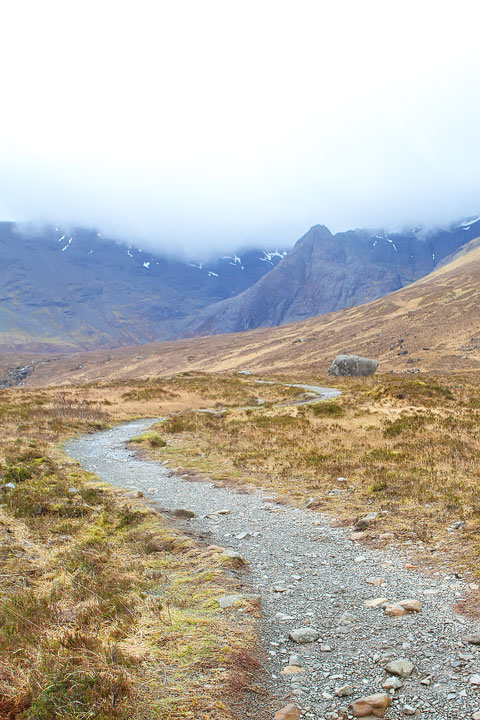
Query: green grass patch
[{"x": 151, "y": 438}]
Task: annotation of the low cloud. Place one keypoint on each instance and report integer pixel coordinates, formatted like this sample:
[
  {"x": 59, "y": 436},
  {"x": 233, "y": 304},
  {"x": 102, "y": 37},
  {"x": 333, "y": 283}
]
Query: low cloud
[{"x": 199, "y": 128}]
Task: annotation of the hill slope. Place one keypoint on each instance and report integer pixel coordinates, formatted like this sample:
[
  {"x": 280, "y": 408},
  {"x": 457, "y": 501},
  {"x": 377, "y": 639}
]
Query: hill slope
[
  {"x": 430, "y": 325},
  {"x": 72, "y": 290}
]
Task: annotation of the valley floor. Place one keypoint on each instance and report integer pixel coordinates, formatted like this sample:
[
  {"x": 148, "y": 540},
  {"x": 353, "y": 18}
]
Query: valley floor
[
  {"x": 307, "y": 573},
  {"x": 115, "y": 606}
]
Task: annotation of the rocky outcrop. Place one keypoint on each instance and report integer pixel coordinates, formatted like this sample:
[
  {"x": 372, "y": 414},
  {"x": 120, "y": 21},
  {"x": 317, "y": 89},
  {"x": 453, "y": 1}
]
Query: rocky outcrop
[
  {"x": 15, "y": 376},
  {"x": 352, "y": 366},
  {"x": 326, "y": 272}
]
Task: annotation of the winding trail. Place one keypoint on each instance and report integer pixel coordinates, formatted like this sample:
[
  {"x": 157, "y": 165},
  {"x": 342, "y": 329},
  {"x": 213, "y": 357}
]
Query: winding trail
[
  {"x": 321, "y": 393},
  {"x": 309, "y": 573}
]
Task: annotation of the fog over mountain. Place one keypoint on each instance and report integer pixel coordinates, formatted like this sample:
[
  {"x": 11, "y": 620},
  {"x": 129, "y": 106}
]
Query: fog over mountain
[
  {"x": 193, "y": 128},
  {"x": 68, "y": 290}
]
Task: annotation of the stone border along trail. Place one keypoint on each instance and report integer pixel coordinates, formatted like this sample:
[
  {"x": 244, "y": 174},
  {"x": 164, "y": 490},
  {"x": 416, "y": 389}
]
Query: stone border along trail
[{"x": 311, "y": 575}]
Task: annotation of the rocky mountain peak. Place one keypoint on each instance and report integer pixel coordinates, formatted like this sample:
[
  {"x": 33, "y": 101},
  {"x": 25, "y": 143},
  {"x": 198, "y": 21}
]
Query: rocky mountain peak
[
  {"x": 75, "y": 289},
  {"x": 326, "y": 272}
]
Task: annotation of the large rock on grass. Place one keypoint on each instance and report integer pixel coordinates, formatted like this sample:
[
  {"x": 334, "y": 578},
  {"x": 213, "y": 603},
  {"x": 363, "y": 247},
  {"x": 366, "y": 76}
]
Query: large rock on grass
[{"x": 352, "y": 366}]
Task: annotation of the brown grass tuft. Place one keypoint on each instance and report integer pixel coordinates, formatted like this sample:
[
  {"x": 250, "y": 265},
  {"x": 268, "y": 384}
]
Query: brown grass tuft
[{"x": 106, "y": 611}]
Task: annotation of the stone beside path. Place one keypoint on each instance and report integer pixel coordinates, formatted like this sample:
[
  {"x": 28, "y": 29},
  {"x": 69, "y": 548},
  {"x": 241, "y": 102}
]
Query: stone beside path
[{"x": 332, "y": 646}]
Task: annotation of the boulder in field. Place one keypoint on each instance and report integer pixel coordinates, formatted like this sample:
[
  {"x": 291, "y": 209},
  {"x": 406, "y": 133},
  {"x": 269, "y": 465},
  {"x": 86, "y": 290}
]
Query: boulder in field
[{"x": 352, "y": 366}]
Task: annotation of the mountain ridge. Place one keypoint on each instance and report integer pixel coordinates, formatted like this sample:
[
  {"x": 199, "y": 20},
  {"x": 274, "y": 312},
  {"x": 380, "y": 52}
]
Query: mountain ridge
[
  {"x": 428, "y": 326},
  {"x": 66, "y": 291},
  {"x": 326, "y": 272},
  {"x": 79, "y": 290}
]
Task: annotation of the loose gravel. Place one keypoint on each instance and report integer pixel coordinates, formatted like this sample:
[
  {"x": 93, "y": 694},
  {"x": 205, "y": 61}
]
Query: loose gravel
[{"x": 311, "y": 575}]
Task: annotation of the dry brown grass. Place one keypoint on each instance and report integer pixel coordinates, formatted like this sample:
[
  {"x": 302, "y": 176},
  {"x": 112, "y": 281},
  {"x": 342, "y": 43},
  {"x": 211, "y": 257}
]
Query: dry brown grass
[
  {"x": 408, "y": 448},
  {"x": 106, "y": 611}
]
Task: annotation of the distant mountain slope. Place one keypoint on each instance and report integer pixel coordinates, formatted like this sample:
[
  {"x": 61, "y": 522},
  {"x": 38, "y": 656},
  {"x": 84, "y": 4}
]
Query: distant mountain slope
[
  {"x": 78, "y": 290},
  {"x": 464, "y": 250},
  {"x": 326, "y": 272},
  {"x": 66, "y": 291},
  {"x": 431, "y": 325}
]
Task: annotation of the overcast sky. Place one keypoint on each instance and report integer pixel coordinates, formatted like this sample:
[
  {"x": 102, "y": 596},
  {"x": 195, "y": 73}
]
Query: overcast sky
[{"x": 205, "y": 124}]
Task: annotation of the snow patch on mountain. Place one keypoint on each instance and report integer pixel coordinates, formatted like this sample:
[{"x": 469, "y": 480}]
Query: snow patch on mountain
[
  {"x": 467, "y": 223},
  {"x": 268, "y": 256},
  {"x": 233, "y": 260}
]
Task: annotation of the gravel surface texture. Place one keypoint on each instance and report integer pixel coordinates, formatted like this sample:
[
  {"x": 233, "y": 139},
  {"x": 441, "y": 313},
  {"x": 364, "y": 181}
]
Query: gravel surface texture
[{"x": 312, "y": 575}]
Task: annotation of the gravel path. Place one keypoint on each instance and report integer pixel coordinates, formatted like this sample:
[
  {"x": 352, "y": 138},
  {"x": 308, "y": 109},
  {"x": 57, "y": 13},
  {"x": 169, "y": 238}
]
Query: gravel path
[
  {"x": 309, "y": 573},
  {"x": 319, "y": 392}
]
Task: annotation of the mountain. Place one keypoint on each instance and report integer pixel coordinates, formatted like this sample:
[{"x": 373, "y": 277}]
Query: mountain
[
  {"x": 431, "y": 325},
  {"x": 66, "y": 291},
  {"x": 326, "y": 272},
  {"x": 69, "y": 290}
]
